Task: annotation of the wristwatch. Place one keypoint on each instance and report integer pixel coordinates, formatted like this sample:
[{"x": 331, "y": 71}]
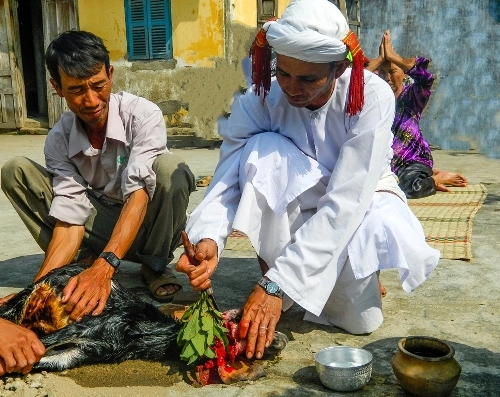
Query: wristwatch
[
  {"x": 271, "y": 287},
  {"x": 111, "y": 258}
]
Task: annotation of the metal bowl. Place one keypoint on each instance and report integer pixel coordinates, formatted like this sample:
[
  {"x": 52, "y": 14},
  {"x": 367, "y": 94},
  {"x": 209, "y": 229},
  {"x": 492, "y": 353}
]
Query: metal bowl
[{"x": 344, "y": 368}]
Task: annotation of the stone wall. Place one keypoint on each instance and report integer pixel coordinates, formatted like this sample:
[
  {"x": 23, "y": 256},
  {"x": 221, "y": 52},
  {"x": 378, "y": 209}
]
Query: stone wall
[{"x": 462, "y": 39}]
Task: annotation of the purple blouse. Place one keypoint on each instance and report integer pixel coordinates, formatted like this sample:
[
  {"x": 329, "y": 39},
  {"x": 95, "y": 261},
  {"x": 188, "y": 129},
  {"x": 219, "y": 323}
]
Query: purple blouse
[{"x": 409, "y": 145}]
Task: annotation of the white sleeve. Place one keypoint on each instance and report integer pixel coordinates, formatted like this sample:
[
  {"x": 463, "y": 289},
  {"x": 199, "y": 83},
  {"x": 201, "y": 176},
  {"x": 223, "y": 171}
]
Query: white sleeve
[
  {"x": 214, "y": 216},
  {"x": 308, "y": 268}
]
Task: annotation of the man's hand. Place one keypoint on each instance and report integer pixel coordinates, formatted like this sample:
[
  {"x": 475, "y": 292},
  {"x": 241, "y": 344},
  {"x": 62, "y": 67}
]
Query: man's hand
[
  {"x": 20, "y": 348},
  {"x": 88, "y": 292},
  {"x": 199, "y": 276},
  {"x": 260, "y": 316}
]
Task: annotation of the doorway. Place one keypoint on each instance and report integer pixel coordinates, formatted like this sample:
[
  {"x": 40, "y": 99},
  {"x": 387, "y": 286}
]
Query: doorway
[{"x": 29, "y": 14}]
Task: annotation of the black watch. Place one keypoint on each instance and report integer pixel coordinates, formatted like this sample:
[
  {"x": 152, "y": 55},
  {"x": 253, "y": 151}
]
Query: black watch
[
  {"x": 271, "y": 287},
  {"x": 111, "y": 258}
]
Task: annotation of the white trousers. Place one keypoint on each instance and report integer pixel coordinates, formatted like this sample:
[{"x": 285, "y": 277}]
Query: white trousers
[
  {"x": 354, "y": 305},
  {"x": 278, "y": 190}
]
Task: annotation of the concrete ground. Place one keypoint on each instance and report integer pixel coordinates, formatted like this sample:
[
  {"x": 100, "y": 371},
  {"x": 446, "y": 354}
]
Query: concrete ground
[{"x": 459, "y": 303}]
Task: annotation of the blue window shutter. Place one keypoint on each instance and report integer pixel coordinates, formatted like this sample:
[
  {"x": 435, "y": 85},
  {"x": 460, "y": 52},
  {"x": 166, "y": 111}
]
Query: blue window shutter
[
  {"x": 149, "y": 31},
  {"x": 160, "y": 29},
  {"x": 137, "y": 35}
]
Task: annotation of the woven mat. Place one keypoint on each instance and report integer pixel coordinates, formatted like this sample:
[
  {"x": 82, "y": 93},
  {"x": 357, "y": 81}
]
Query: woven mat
[
  {"x": 447, "y": 219},
  {"x": 238, "y": 241}
]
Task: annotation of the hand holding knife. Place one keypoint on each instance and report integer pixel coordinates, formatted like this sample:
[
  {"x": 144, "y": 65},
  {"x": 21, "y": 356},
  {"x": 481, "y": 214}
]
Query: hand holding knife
[{"x": 191, "y": 254}]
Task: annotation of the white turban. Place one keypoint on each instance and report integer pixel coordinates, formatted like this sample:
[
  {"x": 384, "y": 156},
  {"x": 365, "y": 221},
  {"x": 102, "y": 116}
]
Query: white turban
[{"x": 309, "y": 30}]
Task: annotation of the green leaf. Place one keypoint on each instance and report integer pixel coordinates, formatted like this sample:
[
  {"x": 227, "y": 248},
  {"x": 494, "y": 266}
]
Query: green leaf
[
  {"x": 193, "y": 359},
  {"x": 180, "y": 335},
  {"x": 207, "y": 322},
  {"x": 202, "y": 324},
  {"x": 188, "y": 352},
  {"x": 191, "y": 328},
  {"x": 210, "y": 337},
  {"x": 187, "y": 314},
  {"x": 199, "y": 344},
  {"x": 209, "y": 353},
  {"x": 220, "y": 332}
]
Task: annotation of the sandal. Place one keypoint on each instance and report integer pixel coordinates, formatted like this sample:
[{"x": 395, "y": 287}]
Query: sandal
[
  {"x": 204, "y": 181},
  {"x": 155, "y": 280}
]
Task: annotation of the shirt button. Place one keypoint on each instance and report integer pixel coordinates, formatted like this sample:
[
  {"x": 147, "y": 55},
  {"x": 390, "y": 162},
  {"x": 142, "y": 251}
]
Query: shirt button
[
  {"x": 112, "y": 175},
  {"x": 314, "y": 115}
]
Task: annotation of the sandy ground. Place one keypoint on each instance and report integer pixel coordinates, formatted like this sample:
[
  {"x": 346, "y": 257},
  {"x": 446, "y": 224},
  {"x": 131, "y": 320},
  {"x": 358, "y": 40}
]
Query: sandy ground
[{"x": 460, "y": 303}]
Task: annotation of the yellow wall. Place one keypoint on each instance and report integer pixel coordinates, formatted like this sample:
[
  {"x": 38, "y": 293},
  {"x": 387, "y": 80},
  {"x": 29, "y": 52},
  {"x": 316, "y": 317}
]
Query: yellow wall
[
  {"x": 198, "y": 31},
  {"x": 245, "y": 12},
  {"x": 106, "y": 20},
  {"x": 197, "y": 28}
]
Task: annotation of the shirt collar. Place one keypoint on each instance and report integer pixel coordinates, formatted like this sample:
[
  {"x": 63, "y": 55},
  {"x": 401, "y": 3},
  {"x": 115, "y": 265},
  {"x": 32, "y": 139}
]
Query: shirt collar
[
  {"x": 115, "y": 128},
  {"x": 78, "y": 140}
]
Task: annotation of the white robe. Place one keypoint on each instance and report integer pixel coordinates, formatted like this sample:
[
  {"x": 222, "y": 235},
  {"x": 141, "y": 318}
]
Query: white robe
[{"x": 334, "y": 164}]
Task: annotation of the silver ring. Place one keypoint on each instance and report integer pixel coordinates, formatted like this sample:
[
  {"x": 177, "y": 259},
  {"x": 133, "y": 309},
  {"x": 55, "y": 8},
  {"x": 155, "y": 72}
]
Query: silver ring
[{"x": 263, "y": 327}]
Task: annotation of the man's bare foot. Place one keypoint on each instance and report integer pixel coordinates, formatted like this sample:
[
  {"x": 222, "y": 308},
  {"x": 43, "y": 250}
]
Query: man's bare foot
[
  {"x": 445, "y": 178},
  {"x": 382, "y": 289},
  {"x": 162, "y": 285}
]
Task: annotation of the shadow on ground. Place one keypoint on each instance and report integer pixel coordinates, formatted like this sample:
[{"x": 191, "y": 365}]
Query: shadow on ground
[
  {"x": 19, "y": 272},
  {"x": 479, "y": 374}
]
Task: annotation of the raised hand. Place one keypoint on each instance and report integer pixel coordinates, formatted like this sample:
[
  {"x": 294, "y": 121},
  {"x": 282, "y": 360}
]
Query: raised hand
[
  {"x": 381, "y": 51},
  {"x": 390, "y": 54}
]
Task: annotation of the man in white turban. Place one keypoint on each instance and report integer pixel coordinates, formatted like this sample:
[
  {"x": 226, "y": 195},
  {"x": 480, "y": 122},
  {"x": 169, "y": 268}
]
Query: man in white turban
[{"x": 305, "y": 173}]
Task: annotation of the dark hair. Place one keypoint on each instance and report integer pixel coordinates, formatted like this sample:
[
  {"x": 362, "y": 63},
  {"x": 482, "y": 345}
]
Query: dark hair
[{"x": 78, "y": 53}]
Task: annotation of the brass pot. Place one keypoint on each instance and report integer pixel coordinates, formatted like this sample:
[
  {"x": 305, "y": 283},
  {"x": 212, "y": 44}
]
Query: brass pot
[{"x": 425, "y": 366}]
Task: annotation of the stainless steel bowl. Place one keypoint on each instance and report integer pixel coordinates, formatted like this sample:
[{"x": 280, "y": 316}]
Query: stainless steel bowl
[{"x": 344, "y": 368}]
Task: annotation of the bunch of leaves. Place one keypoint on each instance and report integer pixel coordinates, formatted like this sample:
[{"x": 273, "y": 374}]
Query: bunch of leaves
[{"x": 202, "y": 325}]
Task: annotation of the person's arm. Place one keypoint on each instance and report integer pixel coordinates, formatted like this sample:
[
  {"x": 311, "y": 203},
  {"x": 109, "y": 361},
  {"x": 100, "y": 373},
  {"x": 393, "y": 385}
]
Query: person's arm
[
  {"x": 213, "y": 217},
  {"x": 20, "y": 348},
  {"x": 374, "y": 64},
  {"x": 144, "y": 126},
  {"x": 66, "y": 239},
  {"x": 210, "y": 222},
  {"x": 88, "y": 292},
  {"x": 393, "y": 57}
]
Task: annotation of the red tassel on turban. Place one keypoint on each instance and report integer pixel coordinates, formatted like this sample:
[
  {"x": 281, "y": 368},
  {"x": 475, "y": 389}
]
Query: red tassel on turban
[
  {"x": 260, "y": 54},
  {"x": 356, "y": 97}
]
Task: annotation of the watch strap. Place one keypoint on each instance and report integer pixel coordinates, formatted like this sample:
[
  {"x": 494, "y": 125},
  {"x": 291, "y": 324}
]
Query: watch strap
[
  {"x": 264, "y": 283},
  {"x": 111, "y": 258}
]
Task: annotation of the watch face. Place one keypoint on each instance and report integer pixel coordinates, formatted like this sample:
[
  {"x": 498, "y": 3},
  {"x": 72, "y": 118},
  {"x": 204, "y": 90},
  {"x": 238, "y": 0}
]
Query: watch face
[{"x": 272, "y": 287}]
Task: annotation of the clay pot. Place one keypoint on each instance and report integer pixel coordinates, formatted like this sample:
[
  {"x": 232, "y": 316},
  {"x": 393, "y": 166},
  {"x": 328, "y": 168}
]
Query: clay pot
[{"x": 425, "y": 366}]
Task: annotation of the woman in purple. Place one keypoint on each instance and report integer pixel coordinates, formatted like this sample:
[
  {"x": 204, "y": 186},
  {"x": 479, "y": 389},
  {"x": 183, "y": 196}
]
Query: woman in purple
[{"x": 412, "y": 161}]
